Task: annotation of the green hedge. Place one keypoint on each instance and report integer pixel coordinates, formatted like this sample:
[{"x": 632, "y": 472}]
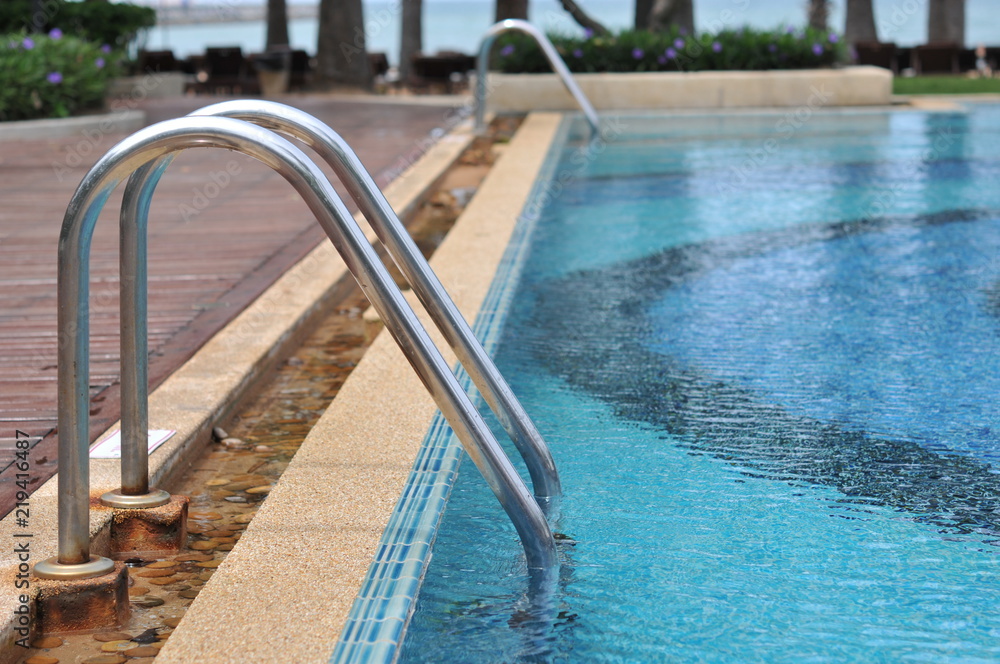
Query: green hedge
[
  {"x": 636, "y": 51},
  {"x": 115, "y": 24},
  {"x": 46, "y": 76}
]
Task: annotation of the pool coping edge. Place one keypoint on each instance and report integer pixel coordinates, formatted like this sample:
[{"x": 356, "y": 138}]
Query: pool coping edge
[{"x": 304, "y": 557}]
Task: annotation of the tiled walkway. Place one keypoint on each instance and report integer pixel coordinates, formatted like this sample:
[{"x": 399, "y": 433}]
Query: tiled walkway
[{"x": 212, "y": 250}]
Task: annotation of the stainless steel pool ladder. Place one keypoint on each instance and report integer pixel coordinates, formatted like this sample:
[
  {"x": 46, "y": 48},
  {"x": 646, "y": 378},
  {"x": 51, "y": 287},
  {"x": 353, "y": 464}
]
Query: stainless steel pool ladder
[
  {"x": 560, "y": 68},
  {"x": 143, "y": 156}
]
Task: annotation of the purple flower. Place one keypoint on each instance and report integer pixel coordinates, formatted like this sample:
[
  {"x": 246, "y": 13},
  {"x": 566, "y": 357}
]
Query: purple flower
[
  {"x": 588, "y": 33},
  {"x": 684, "y": 31},
  {"x": 789, "y": 29},
  {"x": 670, "y": 53},
  {"x": 678, "y": 43},
  {"x": 54, "y": 77},
  {"x": 817, "y": 49},
  {"x": 833, "y": 38},
  {"x": 99, "y": 63},
  {"x": 28, "y": 43},
  {"x": 773, "y": 48},
  {"x": 105, "y": 48},
  {"x": 716, "y": 47},
  {"x": 662, "y": 60},
  {"x": 55, "y": 33},
  {"x": 578, "y": 53},
  {"x": 507, "y": 50},
  {"x": 638, "y": 53}
]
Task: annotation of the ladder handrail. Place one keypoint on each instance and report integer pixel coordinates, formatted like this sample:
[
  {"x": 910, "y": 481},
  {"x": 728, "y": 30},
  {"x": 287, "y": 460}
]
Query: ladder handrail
[
  {"x": 154, "y": 143},
  {"x": 389, "y": 229},
  {"x": 558, "y": 65}
]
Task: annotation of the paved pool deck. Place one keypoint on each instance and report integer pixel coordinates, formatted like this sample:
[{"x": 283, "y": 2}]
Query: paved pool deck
[{"x": 214, "y": 246}]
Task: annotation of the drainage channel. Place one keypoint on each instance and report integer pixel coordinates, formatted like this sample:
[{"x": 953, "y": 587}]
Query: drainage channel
[{"x": 234, "y": 475}]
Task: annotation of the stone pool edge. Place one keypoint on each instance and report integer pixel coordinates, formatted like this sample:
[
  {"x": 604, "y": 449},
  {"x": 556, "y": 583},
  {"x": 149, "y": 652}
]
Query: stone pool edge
[
  {"x": 285, "y": 591},
  {"x": 205, "y": 389}
]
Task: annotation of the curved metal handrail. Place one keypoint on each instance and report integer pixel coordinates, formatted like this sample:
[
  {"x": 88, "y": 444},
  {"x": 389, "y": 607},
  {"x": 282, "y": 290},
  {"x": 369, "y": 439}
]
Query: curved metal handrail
[
  {"x": 404, "y": 252},
  {"x": 560, "y": 68},
  {"x": 151, "y": 143}
]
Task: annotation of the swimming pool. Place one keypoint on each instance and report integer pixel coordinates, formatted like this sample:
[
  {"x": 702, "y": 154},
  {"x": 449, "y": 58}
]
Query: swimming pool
[{"x": 762, "y": 353}]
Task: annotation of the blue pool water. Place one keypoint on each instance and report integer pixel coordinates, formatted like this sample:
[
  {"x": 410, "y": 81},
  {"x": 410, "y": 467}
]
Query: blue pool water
[{"x": 767, "y": 372}]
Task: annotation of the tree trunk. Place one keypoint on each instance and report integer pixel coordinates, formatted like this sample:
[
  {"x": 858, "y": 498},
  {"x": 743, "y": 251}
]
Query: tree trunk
[
  {"x": 583, "y": 18},
  {"x": 340, "y": 45},
  {"x": 411, "y": 39},
  {"x": 819, "y": 14},
  {"x": 512, "y": 9},
  {"x": 946, "y": 22},
  {"x": 277, "y": 24},
  {"x": 672, "y": 12},
  {"x": 643, "y": 8},
  {"x": 860, "y": 25}
]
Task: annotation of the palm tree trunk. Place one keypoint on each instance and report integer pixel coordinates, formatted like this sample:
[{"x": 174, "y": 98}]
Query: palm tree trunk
[
  {"x": 819, "y": 14},
  {"x": 672, "y": 12},
  {"x": 340, "y": 45},
  {"x": 643, "y": 8},
  {"x": 411, "y": 39},
  {"x": 860, "y": 24},
  {"x": 946, "y": 22},
  {"x": 512, "y": 9},
  {"x": 583, "y": 18},
  {"x": 277, "y": 24}
]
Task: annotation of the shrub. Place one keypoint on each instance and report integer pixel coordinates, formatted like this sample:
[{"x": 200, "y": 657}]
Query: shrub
[
  {"x": 52, "y": 76},
  {"x": 636, "y": 51},
  {"x": 100, "y": 21}
]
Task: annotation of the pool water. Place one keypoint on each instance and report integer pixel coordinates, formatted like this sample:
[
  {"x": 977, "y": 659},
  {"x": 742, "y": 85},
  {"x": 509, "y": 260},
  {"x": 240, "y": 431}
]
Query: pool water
[{"x": 766, "y": 363}]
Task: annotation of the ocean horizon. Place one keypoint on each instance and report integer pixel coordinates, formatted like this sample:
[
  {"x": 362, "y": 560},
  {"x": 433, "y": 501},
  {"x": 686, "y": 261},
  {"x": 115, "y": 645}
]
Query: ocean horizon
[{"x": 458, "y": 25}]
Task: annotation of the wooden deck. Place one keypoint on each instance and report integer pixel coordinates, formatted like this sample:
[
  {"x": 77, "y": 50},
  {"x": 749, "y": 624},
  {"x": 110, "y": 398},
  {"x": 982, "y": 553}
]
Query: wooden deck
[{"x": 212, "y": 250}]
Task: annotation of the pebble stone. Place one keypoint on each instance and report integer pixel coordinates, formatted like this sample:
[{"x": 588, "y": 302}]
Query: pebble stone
[
  {"x": 257, "y": 490},
  {"x": 163, "y": 581},
  {"x": 225, "y": 547},
  {"x": 194, "y": 557},
  {"x": 209, "y": 564},
  {"x": 149, "y": 636},
  {"x": 135, "y": 591},
  {"x": 106, "y": 637},
  {"x": 47, "y": 642},
  {"x": 41, "y": 659},
  {"x": 141, "y": 651},
  {"x": 117, "y": 646},
  {"x": 146, "y": 602},
  {"x": 203, "y": 545},
  {"x": 162, "y": 564},
  {"x": 233, "y": 443},
  {"x": 171, "y": 622},
  {"x": 106, "y": 659},
  {"x": 154, "y": 573},
  {"x": 218, "y": 481},
  {"x": 199, "y": 515},
  {"x": 189, "y": 594},
  {"x": 244, "y": 518},
  {"x": 219, "y": 433}
]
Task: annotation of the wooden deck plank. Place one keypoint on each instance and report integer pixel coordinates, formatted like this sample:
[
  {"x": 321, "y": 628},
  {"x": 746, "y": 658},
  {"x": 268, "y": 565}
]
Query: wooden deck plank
[{"x": 212, "y": 250}]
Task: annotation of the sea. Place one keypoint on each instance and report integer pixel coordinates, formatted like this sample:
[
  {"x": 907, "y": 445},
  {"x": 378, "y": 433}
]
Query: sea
[{"x": 457, "y": 25}]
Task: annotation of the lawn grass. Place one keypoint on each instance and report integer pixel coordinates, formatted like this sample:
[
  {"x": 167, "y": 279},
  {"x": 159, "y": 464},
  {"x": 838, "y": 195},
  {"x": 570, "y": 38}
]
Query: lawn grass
[{"x": 944, "y": 85}]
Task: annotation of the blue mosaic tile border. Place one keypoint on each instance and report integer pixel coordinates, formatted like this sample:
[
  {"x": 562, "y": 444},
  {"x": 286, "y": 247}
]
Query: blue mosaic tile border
[{"x": 381, "y": 612}]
